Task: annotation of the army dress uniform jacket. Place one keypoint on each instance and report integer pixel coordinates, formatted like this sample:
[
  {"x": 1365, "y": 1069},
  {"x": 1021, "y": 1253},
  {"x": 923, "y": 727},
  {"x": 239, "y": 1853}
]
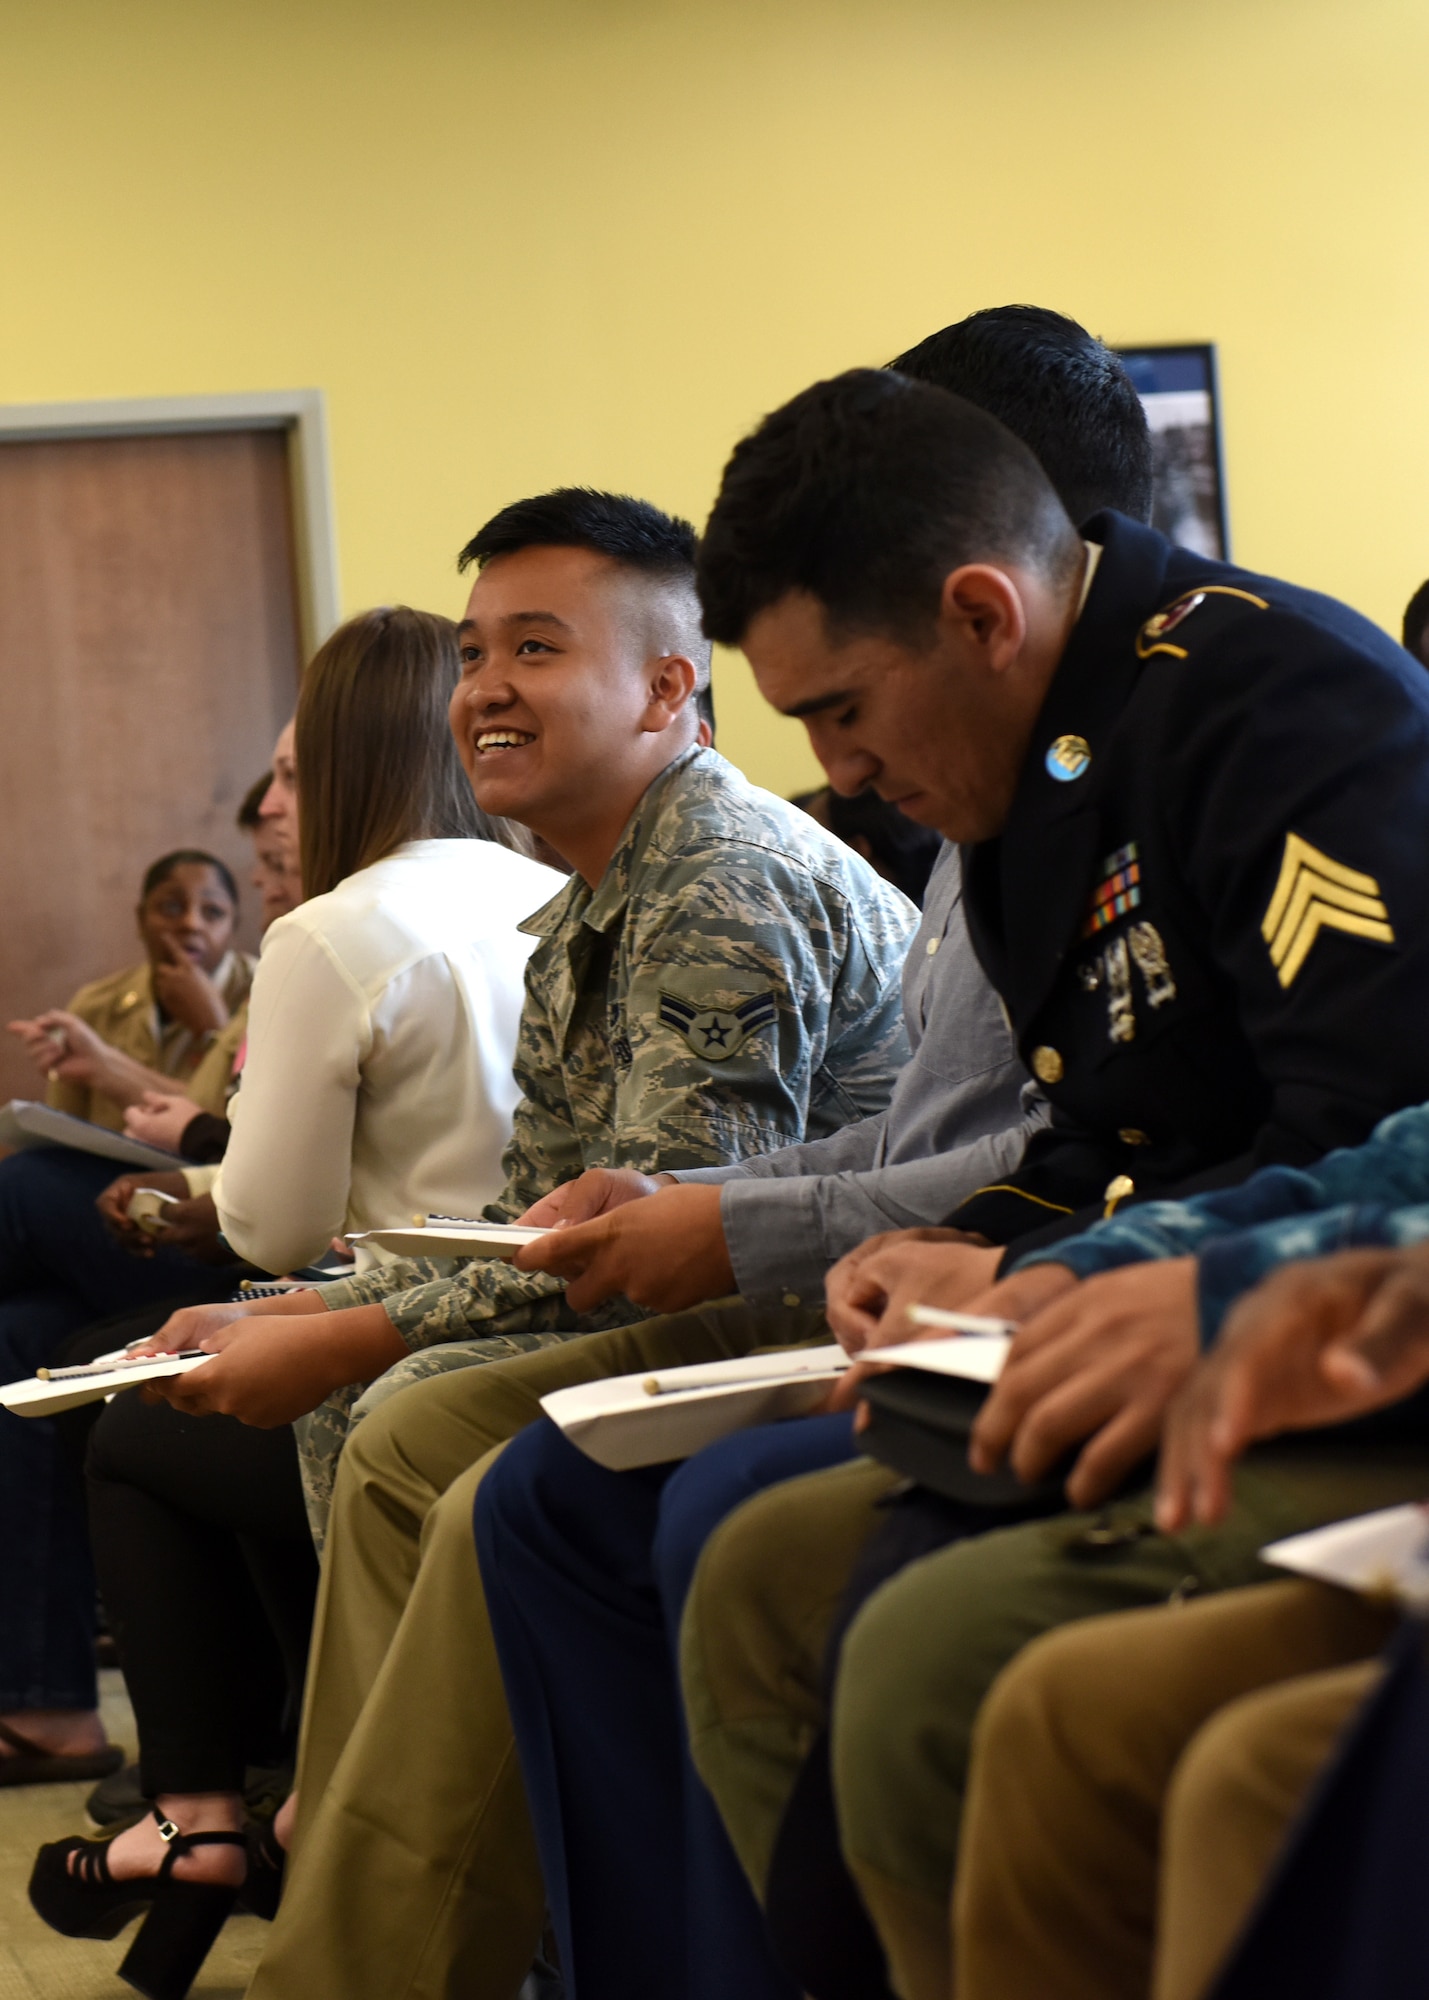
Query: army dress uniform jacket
[
  {"x": 1208, "y": 914},
  {"x": 730, "y": 986}
]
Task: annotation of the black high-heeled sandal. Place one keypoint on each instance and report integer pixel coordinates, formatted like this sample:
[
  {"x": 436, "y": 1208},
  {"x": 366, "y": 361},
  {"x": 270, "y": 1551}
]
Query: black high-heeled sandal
[
  {"x": 262, "y": 1889},
  {"x": 183, "y": 1917}
]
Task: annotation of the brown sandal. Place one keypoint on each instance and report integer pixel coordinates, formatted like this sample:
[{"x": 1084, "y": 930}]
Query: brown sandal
[{"x": 32, "y": 1765}]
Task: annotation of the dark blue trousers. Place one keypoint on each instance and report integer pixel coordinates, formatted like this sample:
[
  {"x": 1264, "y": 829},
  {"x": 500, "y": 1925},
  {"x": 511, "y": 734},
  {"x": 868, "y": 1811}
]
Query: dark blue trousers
[
  {"x": 586, "y": 1573},
  {"x": 59, "y": 1270}
]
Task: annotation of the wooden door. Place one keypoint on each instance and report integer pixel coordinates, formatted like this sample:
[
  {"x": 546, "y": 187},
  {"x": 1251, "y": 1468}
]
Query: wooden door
[{"x": 149, "y": 655}]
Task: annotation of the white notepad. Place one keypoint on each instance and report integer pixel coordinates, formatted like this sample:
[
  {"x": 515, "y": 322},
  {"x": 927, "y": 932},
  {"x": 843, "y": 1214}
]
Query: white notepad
[
  {"x": 32, "y": 1396},
  {"x": 623, "y": 1422},
  {"x": 670, "y": 1413},
  {"x": 498, "y": 1240},
  {"x": 972, "y": 1357},
  {"x": 23, "y": 1124},
  {"x": 1380, "y": 1555}
]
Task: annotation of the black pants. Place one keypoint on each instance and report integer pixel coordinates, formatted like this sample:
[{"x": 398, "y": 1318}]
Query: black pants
[{"x": 208, "y": 1576}]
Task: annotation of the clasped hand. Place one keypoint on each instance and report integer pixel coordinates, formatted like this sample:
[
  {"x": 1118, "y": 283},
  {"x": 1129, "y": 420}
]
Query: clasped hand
[
  {"x": 1093, "y": 1364},
  {"x": 270, "y": 1367},
  {"x": 617, "y": 1233},
  {"x": 1318, "y": 1342},
  {"x": 190, "y": 1222},
  {"x": 65, "y": 1049},
  {"x": 187, "y": 994}
]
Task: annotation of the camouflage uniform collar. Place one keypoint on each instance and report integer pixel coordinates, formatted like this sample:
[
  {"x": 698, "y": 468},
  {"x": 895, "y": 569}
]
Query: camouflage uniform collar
[{"x": 599, "y": 908}]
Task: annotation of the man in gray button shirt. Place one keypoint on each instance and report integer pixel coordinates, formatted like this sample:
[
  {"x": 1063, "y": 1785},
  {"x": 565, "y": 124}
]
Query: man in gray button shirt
[{"x": 415, "y": 1869}]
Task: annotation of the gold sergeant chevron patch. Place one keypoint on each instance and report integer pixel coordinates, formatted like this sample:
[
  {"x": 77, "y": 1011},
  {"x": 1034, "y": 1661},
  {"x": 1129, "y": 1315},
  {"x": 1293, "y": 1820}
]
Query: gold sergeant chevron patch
[{"x": 1314, "y": 893}]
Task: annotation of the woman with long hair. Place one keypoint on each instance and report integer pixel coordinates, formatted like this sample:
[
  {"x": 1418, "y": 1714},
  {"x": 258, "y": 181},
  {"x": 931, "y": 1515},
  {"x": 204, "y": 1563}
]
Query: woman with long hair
[{"x": 378, "y": 1084}]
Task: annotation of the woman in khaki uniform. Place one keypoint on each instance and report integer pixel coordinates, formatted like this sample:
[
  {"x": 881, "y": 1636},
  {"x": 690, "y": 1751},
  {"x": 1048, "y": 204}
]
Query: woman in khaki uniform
[{"x": 151, "y": 1024}]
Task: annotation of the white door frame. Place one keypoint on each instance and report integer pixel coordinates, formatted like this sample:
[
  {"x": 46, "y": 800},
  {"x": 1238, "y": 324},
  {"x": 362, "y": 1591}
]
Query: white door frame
[{"x": 300, "y": 413}]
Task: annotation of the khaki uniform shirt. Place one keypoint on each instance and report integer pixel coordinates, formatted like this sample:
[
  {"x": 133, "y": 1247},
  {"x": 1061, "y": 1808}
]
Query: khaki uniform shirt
[{"x": 123, "y": 1012}]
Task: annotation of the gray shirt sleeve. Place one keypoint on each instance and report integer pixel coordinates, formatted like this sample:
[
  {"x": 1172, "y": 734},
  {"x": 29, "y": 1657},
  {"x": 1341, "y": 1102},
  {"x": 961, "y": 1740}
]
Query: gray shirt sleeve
[
  {"x": 784, "y": 1234},
  {"x": 961, "y": 1113}
]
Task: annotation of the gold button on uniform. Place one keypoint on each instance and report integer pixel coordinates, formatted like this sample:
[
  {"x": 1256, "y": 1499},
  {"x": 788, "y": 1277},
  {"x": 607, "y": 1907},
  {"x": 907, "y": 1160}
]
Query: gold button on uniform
[
  {"x": 932, "y": 947},
  {"x": 1047, "y": 1065},
  {"x": 791, "y": 1298},
  {"x": 1117, "y": 1190},
  {"x": 1130, "y": 1136}
]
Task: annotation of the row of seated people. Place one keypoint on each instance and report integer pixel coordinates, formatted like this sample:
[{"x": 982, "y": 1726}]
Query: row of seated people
[{"x": 712, "y": 1722}]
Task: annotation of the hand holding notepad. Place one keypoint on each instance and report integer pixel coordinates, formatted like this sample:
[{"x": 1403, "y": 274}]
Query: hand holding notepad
[
  {"x": 671, "y": 1413},
  {"x": 451, "y": 1236},
  {"x": 55, "y": 1389}
]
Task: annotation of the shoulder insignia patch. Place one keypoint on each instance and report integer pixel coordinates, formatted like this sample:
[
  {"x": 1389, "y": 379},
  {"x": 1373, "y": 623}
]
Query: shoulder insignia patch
[
  {"x": 1314, "y": 893},
  {"x": 717, "y": 1033},
  {"x": 1152, "y": 636}
]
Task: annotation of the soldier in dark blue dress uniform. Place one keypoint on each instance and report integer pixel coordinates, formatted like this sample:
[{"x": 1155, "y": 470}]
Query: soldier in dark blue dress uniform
[
  {"x": 1194, "y": 854},
  {"x": 1208, "y": 911}
]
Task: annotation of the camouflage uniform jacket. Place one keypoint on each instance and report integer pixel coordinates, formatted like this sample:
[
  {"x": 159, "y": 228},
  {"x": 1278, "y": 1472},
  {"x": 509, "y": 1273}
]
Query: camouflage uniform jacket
[{"x": 730, "y": 986}]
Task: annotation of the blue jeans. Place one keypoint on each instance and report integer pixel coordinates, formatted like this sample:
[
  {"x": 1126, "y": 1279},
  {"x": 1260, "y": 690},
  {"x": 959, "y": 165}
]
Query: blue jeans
[
  {"x": 586, "y": 1573},
  {"x": 59, "y": 1270}
]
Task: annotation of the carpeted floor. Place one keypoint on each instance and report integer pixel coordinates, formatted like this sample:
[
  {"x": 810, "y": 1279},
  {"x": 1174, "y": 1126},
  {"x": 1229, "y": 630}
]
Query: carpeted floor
[{"x": 35, "y": 1964}]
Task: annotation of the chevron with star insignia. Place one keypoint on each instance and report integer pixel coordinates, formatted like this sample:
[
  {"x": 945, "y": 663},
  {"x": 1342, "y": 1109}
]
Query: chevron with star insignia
[
  {"x": 716, "y": 1033},
  {"x": 1314, "y": 893}
]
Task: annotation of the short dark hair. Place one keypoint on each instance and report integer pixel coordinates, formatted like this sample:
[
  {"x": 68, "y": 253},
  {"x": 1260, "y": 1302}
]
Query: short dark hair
[
  {"x": 377, "y": 765},
  {"x": 1055, "y": 386},
  {"x": 250, "y": 812},
  {"x": 902, "y": 851},
  {"x": 627, "y": 531},
  {"x": 630, "y": 532},
  {"x": 158, "y": 872},
  {"x": 865, "y": 491},
  {"x": 1416, "y": 620}
]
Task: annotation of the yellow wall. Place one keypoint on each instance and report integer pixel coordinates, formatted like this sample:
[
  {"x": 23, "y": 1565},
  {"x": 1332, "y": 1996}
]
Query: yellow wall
[{"x": 556, "y": 240}]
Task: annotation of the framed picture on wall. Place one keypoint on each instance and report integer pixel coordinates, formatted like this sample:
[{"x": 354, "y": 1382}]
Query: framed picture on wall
[{"x": 1177, "y": 386}]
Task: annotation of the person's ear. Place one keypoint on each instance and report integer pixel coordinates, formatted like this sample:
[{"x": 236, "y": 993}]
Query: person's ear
[
  {"x": 672, "y": 692},
  {"x": 981, "y": 607}
]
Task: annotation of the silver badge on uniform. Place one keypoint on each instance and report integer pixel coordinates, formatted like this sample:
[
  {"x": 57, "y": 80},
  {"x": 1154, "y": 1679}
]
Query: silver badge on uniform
[
  {"x": 1149, "y": 952},
  {"x": 1143, "y": 947},
  {"x": 1116, "y": 967}
]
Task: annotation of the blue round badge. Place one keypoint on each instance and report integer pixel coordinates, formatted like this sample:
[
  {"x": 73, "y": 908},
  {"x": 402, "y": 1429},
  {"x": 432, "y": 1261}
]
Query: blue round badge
[{"x": 1068, "y": 757}]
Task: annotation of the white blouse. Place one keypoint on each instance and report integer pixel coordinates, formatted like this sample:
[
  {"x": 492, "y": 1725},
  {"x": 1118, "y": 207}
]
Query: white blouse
[{"x": 381, "y": 1032}]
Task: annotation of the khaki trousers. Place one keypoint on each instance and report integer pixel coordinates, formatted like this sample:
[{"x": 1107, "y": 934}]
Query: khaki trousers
[
  {"x": 923, "y": 1652},
  {"x": 1155, "y": 1757},
  {"x": 413, "y": 1874}
]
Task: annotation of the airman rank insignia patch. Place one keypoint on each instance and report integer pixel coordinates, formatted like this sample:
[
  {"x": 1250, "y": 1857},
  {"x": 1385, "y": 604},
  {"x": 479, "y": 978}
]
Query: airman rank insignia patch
[
  {"x": 1314, "y": 893},
  {"x": 1118, "y": 891},
  {"x": 716, "y": 1033}
]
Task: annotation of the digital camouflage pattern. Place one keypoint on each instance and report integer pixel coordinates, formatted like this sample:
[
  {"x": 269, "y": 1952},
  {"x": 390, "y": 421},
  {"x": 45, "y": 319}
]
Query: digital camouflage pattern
[{"x": 729, "y": 987}]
